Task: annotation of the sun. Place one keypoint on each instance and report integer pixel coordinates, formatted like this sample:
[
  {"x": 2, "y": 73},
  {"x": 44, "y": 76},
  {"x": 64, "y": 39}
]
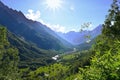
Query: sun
[{"x": 53, "y": 4}]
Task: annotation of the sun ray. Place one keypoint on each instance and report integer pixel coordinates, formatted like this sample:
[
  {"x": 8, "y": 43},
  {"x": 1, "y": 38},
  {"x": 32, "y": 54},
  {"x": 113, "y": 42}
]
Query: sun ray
[{"x": 53, "y": 4}]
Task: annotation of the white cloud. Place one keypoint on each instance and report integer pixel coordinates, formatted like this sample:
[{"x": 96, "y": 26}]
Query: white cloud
[
  {"x": 36, "y": 16},
  {"x": 33, "y": 15},
  {"x": 57, "y": 28}
]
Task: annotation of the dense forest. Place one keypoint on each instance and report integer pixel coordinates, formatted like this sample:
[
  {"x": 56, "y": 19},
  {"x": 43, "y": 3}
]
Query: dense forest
[
  {"x": 100, "y": 62},
  {"x": 8, "y": 58}
]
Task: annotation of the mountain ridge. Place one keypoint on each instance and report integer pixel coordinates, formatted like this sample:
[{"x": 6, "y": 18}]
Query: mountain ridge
[
  {"x": 77, "y": 38},
  {"x": 31, "y": 31}
]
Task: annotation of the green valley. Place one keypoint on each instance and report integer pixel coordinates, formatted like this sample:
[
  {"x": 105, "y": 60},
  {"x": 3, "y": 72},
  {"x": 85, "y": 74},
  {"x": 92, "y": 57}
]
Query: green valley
[{"x": 30, "y": 50}]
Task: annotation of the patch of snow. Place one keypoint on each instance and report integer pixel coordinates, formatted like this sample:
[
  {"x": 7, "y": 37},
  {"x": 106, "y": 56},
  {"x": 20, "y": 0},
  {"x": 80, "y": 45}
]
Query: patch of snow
[{"x": 55, "y": 57}]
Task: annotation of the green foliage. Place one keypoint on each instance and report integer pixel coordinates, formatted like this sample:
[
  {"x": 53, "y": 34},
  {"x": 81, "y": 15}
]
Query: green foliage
[
  {"x": 66, "y": 68},
  {"x": 56, "y": 71},
  {"x": 112, "y": 23},
  {"x": 8, "y": 58},
  {"x": 3, "y": 38},
  {"x": 105, "y": 65},
  {"x": 102, "y": 62},
  {"x": 77, "y": 58}
]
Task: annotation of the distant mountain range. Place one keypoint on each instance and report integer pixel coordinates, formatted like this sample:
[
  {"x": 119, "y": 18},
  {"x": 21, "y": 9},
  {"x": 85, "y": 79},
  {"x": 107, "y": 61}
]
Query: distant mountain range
[
  {"x": 40, "y": 35},
  {"x": 31, "y": 31},
  {"x": 77, "y": 38},
  {"x": 36, "y": 42}
]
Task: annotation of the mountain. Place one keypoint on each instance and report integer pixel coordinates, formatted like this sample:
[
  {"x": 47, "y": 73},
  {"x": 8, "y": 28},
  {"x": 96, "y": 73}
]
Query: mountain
[
  {"x": 30, "y": 31},
  {"x": 77, "y": 38},
  {"x": 29, "y": 53}
]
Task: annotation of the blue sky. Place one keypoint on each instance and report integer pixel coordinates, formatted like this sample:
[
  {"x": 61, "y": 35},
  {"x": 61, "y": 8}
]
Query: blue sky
[{"x": 63, "y": 15}]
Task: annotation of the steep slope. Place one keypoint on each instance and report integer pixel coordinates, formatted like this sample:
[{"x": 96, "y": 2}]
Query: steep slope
[
  {"x": 77, "y": 38},
  {"x": 31, "y": 31},
  {"x": 29, "y": 53}
]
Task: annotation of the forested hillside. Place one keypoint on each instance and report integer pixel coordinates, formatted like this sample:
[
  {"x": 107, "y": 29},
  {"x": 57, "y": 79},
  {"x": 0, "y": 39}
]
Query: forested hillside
[
  {"x": 8, "y": 58},
  {"x": 100, "y": 62},
  {"x": 29, "y": 53}
]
